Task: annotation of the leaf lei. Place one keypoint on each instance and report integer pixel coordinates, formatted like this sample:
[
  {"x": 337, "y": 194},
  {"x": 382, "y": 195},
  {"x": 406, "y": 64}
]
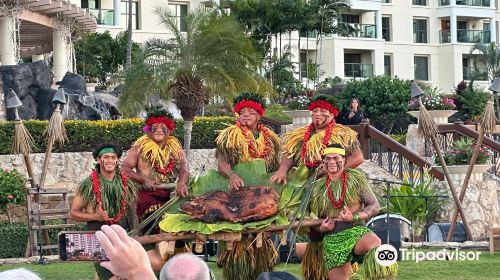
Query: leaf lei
[
  {"x": 307, "y": 136},
  {"x": 96, "y": 187}
]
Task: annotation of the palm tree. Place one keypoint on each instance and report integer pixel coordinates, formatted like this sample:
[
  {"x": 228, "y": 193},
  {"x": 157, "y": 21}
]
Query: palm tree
[
  {"x": 489, "y": 57},
  {"x": 211, "y": 56}
]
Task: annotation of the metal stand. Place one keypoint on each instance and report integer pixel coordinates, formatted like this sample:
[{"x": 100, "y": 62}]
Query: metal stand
[{"x": 388, "y": 197}]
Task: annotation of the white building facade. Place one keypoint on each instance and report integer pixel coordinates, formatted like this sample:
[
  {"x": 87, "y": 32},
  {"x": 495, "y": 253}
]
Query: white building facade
[{"x": 428, "y": 40}]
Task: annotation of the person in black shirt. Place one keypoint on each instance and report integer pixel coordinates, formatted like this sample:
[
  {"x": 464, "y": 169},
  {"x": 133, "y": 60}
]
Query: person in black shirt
[{"x": 354, "y": 115}]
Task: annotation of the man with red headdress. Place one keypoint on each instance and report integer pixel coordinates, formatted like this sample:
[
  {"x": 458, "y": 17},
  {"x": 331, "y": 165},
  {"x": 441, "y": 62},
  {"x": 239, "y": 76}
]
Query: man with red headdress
[
  {"x": 245, "y": 141},
  {"x": 158, "y": 159},
  {"x": 304, "y": 145}
]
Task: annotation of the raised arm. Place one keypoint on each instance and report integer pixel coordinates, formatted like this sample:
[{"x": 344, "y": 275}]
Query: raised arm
[{"x": 181, "y": 188}]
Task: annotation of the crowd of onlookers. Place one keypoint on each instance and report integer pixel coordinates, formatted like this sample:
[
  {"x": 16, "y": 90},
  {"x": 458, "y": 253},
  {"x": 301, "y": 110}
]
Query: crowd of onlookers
[{"x": 129, "y": 260}]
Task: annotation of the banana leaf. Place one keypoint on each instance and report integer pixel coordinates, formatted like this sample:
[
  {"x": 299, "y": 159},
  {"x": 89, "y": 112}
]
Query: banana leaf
[{"x": 253, "y": 174}]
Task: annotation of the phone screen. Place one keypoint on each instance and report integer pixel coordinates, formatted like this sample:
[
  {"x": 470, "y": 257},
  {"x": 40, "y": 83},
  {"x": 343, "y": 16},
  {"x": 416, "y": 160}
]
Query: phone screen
[{"x": 80, "y": 246}]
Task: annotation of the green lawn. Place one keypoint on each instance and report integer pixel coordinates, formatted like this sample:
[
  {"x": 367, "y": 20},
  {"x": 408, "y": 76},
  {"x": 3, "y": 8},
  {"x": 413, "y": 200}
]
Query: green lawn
[{"x": 488, "y": 267}]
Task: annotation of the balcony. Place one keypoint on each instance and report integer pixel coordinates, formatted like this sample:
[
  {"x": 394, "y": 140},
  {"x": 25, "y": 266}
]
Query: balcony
[
  {"x": 309, "y": 34},
  {"x": 359, "y": 30},
  {"x": 473, "y": 36},
  {"x": 465, "y": 36},
  {"x": 475, "y": 3},
  {"x": 103, "y": 16},
  {"x": 473, "y": 73},
  {"x": 358, "y": 70}
]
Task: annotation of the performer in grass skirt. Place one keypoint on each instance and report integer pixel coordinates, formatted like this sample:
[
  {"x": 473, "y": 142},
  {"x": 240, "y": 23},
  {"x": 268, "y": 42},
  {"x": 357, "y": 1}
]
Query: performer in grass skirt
[
  {"x": 242, "y": 142},
  {"x": 103, "y": 197},
  {"x": 154, "y": 160},
  {"x": 343, "y": 198}
]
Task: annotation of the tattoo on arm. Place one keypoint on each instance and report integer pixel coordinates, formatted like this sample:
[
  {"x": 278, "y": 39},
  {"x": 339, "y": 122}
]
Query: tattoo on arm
[{"x": 370, "y": 202}]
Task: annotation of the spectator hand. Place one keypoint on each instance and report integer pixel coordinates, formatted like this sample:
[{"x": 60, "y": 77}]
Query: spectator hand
[{"x": 127, "y": 258}]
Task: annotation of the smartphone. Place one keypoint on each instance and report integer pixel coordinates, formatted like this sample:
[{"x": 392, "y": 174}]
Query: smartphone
[{"x": 80, "y": 246}]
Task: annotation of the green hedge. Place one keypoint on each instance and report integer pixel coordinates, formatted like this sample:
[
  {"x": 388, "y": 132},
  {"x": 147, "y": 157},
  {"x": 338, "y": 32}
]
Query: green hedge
[
  {"x": 13, "y": 240},
  {"x": 83, "y": 136},
  {"x": 14, "y": 237}
]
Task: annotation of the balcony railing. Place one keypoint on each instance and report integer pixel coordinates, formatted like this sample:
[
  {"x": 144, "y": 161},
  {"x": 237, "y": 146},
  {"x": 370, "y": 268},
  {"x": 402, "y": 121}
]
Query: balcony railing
[
  {"x": 477, "y": 3},
  {"x": 473, "y": 73},
  {"x": 103, "y": 16},
  {"x": 465, "y": 36},
  {"x": 359, "y": 30},
  {"x": 358, "y": 70},
  {"x": 444, "y": 36},
  {"x": 473, "y": 36}
]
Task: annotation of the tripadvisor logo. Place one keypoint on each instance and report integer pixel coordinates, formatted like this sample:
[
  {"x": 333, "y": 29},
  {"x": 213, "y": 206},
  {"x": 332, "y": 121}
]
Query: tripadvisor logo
[
  {"x": 386, "y": 255},
  {"x": 441, "y": 255}
]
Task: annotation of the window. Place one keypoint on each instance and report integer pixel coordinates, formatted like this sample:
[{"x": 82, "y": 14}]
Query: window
[
  {"x": 350, "y": 18},
  {"x": 303, "y": 65},
  {"x": 179, "y": 11},
  {"x": 420, "y": 31},
  {"x": 421, "y": 68},
  {"x": 386, "y": 28},
  {"x": 387, "y": 65},
  {"x": 124, "y": 14},
  {"x": 92, "y": 4},
  {"x": 420, "y": 2}
]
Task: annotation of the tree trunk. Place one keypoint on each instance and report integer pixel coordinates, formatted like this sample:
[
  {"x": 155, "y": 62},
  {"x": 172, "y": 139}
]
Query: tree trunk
[
  {"x": 188, "y": 129},
  {"x": 128, "y": 59}
]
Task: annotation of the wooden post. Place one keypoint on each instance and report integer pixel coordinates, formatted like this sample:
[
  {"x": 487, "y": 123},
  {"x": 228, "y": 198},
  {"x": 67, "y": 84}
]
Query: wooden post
[{"x": 364, "y": 140}]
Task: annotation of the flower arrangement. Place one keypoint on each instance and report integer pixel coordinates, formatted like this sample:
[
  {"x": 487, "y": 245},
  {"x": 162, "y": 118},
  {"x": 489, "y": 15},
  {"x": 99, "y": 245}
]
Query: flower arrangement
[
  {"x": 433, "y": 103},
  {"x": 460, "y": 153},
  {"x": 298, "y": 103},
  {"x": 12, "y": 190}
]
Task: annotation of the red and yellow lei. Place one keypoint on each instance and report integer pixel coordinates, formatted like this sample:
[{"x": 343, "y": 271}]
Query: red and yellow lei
[
  {"x": 305, "y": 147},
  {"x": 163, "y": 159},
  {"x": 237, "y": 144}
]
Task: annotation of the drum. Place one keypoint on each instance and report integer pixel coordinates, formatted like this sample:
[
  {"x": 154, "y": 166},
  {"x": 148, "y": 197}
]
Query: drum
[{"x": 395, "y": 220}]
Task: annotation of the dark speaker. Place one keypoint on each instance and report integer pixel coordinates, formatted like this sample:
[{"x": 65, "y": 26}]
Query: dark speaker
[
  {"x": 209, "y": 249},
  {"x": 394, "y": 237},
  {"x": 439, "y": 232}
]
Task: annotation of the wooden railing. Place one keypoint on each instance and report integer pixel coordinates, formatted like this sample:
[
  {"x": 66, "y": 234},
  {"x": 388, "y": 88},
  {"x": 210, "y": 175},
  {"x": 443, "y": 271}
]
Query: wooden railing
[
  {"x": 392, "y": 156},
  {"x": 451, "y": 132}
]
